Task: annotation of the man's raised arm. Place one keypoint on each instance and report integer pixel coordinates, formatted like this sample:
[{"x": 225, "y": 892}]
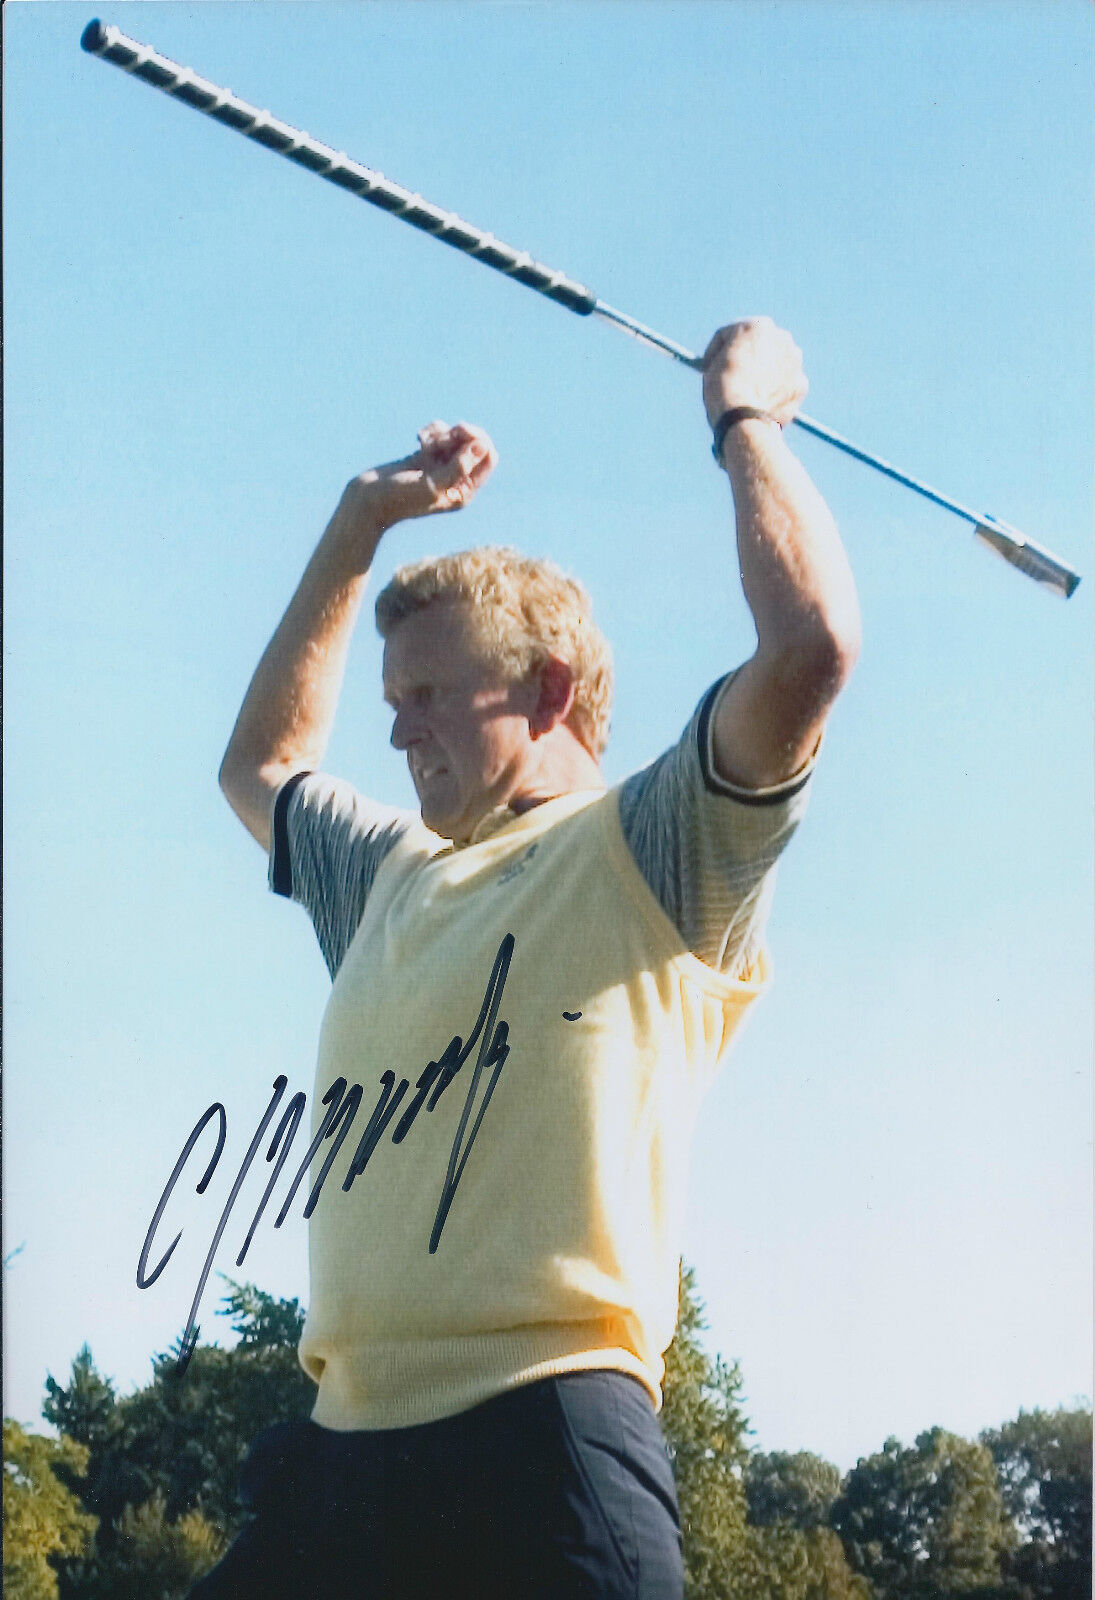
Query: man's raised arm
[
  {"x": 287, "y": 714},
  {"x": 794, "y": 571}
]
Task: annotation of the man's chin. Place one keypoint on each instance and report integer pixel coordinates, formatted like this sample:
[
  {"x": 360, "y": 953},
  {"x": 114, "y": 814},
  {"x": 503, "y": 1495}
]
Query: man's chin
[
  {"x": 440, "y": 821},
  {"x": 447, "y": 820}
]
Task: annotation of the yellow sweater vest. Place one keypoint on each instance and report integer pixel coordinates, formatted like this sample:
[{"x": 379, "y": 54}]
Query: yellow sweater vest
[{"x": 560, "y": 1245}]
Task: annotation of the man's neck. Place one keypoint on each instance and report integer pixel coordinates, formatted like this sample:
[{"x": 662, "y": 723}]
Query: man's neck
[{"x": 564, "y": 766}]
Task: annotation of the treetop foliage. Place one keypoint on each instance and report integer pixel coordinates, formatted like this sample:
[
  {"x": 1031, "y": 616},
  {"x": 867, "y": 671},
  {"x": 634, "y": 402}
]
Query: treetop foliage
[
  {"x": 260, "y": 1320},
  {"x": 800, "y": 1489},
  {"x": 138, "y": 1495},
  {"x": 1043, "y": 1465},
  {"x": 925, "y": 1520},
  {"x": 43, "y": 1519}
]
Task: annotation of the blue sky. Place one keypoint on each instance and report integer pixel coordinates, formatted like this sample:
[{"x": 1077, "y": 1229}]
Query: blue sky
[{"x": 891, "y": 1189}]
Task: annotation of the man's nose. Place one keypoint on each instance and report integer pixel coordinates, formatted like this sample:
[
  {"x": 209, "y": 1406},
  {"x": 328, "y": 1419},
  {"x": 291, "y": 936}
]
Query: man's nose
[{"x": 407, "y": 727}]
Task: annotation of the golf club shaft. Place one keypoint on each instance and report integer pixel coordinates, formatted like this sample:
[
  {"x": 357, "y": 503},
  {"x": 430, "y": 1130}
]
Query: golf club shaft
[{"x": 181, "y": 83}]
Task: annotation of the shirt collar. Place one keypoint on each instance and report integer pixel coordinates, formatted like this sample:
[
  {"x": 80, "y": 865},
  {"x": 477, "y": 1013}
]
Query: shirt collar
[
  {"x": 502, "y": 816},
  {"x": 488, "y": 826}
]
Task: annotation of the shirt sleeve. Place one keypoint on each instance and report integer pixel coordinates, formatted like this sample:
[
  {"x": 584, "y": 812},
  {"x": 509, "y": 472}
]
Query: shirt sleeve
[
  {"x": 708, "y": 848},
  {"x": 327, "y": 845}
]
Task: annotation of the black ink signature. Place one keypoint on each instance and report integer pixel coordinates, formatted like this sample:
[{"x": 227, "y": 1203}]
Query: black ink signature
[{"x": 492, "y": 1037}]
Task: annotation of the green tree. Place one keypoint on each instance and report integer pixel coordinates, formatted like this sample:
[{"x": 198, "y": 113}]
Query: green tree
[
  {"x": 162, "y": 1463},
  {"x": 705, "y": 1431},
  {"x": 262, "y": 1321},
  {"x": 43, "y": 1519},
  {"x": 1043, "y": 1461},
  {"x": 926, "y": 1522},
  {"x": 87, "y": 1409},
  {"x": 781, "y": 1562},
  {"x": 726, "y": 1555},
  {"x": 183, "y": 1436},
  {"x": 791, "y": 1552},
  {"x": 149, "y": 1556},
  {"x": 800, "y": 1489}
]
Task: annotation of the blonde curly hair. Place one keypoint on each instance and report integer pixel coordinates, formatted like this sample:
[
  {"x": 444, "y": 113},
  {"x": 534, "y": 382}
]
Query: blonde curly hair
[{"x": 525, "y": 611}]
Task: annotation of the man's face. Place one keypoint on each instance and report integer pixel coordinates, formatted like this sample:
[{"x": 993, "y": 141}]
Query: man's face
[{"x": 463, "y": 725}]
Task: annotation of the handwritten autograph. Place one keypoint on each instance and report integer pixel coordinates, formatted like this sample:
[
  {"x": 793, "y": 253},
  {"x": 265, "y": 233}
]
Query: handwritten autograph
[{"x": 492, "y": 1037}]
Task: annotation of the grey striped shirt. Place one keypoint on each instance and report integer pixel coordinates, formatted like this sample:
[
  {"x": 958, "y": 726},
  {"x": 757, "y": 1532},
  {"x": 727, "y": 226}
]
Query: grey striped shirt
[{"x": 707, "y": 849}]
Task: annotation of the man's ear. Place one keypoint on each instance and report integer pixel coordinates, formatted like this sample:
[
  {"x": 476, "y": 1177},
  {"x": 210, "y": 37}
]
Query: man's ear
[{"x": 555, "y": 697}]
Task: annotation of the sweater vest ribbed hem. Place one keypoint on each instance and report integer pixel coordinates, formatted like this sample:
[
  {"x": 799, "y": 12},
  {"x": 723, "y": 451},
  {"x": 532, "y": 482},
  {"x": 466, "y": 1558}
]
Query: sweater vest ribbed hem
[{"x": 406, "y": 1382}]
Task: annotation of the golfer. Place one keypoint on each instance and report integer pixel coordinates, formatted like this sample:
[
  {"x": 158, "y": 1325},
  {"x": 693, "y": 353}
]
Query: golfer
[{"x": 535, "y": 983}]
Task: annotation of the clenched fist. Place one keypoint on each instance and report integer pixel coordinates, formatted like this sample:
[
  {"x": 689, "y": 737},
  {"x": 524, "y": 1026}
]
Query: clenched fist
[
  {"x": 444, "y": 473},
  {"x": 753, "y": 363}
]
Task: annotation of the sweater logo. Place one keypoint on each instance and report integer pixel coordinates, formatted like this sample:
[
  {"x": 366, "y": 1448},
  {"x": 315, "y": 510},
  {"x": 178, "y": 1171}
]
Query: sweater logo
[{"x": 518, "y": 867}]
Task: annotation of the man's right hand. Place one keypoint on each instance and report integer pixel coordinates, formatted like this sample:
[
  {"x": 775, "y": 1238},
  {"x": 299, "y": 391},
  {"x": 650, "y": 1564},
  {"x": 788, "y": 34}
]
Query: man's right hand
[
  {"x": 444, "y": 474},
  {"x": 286, "y": 716}
]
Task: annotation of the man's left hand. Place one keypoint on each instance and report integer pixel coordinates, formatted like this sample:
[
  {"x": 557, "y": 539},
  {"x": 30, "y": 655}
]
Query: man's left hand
[{"x": 753, "y": 363}]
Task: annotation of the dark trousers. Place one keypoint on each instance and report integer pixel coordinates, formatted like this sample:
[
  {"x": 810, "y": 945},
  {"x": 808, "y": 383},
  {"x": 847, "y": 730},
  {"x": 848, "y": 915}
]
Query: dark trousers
[{"x": 560, "y": 1489}]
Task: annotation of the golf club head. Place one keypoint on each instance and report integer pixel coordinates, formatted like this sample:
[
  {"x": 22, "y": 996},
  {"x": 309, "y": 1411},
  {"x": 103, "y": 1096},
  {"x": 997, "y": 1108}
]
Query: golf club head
[{"x": 1027, "y": 556}]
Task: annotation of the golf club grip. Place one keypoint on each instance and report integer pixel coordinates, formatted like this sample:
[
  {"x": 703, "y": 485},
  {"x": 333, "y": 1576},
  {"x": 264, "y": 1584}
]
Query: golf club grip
[{"x": 110, "y": 44}]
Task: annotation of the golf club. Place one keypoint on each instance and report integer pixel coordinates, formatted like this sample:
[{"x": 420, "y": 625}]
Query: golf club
[{"x": 110, "y": 44}]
